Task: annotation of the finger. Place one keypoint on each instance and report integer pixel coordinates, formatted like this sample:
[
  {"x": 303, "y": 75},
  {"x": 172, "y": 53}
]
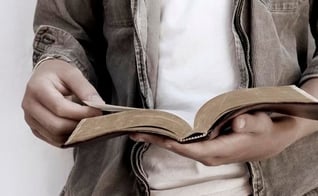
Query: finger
[
  {"x": 49, "y": 96},
  {"x": 42, "y": 134},
  {"x": 68, "y": 78},
  {"x": 80, "y": 86},
  {"x": 208, "y": 152},
  {"x": 54, "y": 142},
  {"x": 34, "y": 126},
  {"x": 225, "y": 149},
  {"x": 252, "y": 123},
  {"x": 55, "y": 125}
]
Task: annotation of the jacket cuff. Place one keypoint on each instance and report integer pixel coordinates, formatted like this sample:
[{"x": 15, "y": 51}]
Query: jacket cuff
[{"x": 54, "y": 43}]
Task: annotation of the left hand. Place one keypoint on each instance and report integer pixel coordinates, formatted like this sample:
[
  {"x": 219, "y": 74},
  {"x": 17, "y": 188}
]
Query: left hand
[{"x": 254, "y": 137}]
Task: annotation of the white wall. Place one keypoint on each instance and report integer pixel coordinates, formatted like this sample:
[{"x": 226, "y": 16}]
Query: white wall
[{"x": 28, "y": 166}]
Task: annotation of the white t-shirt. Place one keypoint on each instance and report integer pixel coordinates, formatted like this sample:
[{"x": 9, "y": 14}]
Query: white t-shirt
[{"x": 197, "y": 62}]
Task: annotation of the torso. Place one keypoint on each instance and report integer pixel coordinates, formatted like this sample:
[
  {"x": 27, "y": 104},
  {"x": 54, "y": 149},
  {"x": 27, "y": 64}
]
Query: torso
[{"x": 195, "y": 39}]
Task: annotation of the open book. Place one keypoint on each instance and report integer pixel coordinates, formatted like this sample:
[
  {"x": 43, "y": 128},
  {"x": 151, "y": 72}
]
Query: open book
[{"x": 288, "y": 100}]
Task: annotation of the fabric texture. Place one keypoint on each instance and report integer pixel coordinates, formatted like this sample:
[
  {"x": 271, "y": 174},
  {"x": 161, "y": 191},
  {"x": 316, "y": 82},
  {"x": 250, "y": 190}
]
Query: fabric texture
[{"x": 118, "y": 40}]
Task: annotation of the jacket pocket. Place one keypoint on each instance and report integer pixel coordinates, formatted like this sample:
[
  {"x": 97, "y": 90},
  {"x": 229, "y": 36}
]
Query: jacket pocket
[{"x": 282, "y": 5}]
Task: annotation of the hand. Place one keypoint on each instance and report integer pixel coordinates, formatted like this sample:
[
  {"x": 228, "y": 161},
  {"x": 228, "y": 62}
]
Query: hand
[
  {"x": 47, "y": 108},
  {"x": 254, "y": 137}
]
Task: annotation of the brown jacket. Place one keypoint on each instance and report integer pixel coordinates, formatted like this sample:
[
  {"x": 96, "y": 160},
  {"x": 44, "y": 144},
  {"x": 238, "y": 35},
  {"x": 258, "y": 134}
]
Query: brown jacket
[{"x": 115, "y": 44}]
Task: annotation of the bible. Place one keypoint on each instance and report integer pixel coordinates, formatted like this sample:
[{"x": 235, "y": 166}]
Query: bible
[{"x": 288, "y": 100}]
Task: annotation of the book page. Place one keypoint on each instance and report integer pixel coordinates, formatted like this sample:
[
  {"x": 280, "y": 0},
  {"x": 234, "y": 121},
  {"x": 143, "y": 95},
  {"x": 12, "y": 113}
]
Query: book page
[{"x": 109, "y": 107}]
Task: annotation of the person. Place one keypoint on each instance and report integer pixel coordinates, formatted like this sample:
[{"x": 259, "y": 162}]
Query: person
[{"x": 173, "y": 55}]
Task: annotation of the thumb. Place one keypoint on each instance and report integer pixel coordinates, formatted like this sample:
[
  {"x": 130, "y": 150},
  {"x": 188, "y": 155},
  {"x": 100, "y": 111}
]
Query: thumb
[
  {"x": 81, "y": 87},
  {"x": 54, "y": 82},
  {"x": 252, "y": 123},
  {"x": 239, "y": 123}
]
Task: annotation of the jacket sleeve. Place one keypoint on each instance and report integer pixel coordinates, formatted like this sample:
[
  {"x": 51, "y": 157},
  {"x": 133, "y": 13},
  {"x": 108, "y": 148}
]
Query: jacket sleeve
[
  {"x": 70, "y": 30},
  {"x": 312, "y": 68}
]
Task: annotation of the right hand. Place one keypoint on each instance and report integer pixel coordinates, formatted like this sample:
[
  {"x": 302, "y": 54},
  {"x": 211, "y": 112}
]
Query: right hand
[{"x": 49, "y": 112}]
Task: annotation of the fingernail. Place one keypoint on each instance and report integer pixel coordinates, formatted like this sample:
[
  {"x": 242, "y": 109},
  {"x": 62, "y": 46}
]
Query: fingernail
[{"x": 241, "y": 123}]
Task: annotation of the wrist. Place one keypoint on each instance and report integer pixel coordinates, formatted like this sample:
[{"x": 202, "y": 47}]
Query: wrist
[{"x": 41, "y": 61}]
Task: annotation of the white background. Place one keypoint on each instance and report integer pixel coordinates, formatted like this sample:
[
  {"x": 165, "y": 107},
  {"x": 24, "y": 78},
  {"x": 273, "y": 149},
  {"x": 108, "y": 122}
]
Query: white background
[{"x": 28, "y": 166}]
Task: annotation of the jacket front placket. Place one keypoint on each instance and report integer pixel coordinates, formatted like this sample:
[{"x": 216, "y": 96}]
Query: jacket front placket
[
  {"x": 139, "y": 14},
  {"x": 243, "y": 54},
  {"x": 242, "y": 48}
]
